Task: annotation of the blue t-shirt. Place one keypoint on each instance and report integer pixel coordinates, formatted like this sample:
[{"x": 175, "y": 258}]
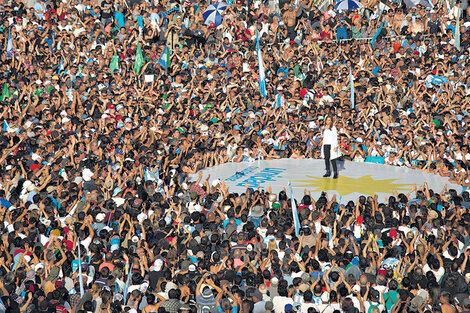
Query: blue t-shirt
[
  {"x": 120, "y": 20},
  {"x": 140, "y": 21},
  {"x": 237, "y": 221},
  {"x": 41, "y": 10},
  {"x": 342, "y": 32}
]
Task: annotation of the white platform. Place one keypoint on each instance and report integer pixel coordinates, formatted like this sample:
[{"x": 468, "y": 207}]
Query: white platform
[{"x": 355, "y": 179}]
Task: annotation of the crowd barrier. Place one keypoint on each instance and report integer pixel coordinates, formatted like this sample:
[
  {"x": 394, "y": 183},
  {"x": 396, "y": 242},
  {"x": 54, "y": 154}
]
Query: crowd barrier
[
  {"x": 402, "y": 37},
  {"x": 381, "y": 160}
]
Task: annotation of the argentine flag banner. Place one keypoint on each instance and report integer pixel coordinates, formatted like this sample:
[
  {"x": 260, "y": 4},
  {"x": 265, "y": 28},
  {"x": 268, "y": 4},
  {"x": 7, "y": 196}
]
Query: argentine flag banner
[{"x": 262, "y": 76}]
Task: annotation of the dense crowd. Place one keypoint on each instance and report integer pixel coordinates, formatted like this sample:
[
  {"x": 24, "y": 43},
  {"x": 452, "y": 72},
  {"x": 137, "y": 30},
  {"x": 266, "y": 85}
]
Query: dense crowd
[{"x": 108, "y": 107}]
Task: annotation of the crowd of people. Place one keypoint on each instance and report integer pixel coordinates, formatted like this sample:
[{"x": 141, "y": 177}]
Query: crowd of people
[{"x": 109, "y": 106}]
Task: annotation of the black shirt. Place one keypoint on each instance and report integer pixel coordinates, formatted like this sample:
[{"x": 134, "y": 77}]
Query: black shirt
[{"x": 106, "y": 9}]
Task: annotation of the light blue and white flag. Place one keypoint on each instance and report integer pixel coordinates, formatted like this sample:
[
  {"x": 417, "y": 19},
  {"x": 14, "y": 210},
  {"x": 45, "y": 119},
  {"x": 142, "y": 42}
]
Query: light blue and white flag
[
  {"x": 435, "y": 80},
  {"x": 151, "y": 176},
  {"x": 9, "y": 45},
  {"x": 61, "y": 67},
  {"x": 330, "y": 237},
  {"x": 351, "y": 78},
  {"x": 279, "y": 103},
  {"x": 163, "y": 59},
  {"x": 377, "y": 34},
  {"x": 262, "y": 76},
  {"x": 295, "y": 213},
  {"x": 126, "y": 287}
]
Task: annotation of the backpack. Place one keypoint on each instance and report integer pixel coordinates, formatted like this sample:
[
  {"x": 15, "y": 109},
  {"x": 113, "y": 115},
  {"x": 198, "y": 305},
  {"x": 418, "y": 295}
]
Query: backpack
[{"x": 372, "y": 307}]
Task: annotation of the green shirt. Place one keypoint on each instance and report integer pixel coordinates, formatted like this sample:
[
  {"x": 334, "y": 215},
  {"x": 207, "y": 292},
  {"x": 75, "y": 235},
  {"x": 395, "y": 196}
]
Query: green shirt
[{"x": 391, "y": 298}]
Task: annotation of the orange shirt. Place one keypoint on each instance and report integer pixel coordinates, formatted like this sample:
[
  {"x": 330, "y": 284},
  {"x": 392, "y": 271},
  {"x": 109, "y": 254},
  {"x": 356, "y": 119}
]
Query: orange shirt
[
  {"x": 108, "y": 265},
  {"x": 396, "y": 47}
]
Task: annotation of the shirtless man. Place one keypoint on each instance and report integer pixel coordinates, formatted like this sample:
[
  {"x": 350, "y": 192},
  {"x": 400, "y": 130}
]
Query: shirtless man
[
  {"x": 446, "y": 306},
  {"x": 290, "y": 19},
  {"x": 371, "y": 7}
]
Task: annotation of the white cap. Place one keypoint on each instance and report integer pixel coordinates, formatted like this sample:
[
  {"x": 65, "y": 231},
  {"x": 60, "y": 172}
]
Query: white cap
[
  {"x": 100, "y": 217},
  {"x": 33, "y": 207},
  {"x": 38, "y": 266},
  {"x": 26, "y": 184}
]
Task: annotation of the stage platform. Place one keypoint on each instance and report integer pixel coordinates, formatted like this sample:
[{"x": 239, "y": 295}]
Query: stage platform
[{"x": 355, "y": 178}]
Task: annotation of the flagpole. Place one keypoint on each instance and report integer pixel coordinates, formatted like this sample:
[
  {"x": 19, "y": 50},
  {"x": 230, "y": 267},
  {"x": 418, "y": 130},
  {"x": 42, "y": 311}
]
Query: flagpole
[
  {"x": 457, "y": 32},
  {"x": 82, "y": 291}
]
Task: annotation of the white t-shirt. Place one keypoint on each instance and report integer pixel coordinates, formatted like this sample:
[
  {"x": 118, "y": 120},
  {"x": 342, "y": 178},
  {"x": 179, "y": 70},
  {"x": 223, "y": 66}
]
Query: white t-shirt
[
  {"x": 279, "y": 303},
  {"x": 86, "y": 242},
  {"x": 305, "y": 306},
  {"x": 67, "y": 28},
  {"x": 440, "y": 272},
  {"x": 459, "y": 156}
]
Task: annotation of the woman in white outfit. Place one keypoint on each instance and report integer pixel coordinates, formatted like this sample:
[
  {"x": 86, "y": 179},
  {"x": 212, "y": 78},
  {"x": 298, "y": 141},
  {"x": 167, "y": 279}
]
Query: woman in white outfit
[{"x": 330, "y": 150}]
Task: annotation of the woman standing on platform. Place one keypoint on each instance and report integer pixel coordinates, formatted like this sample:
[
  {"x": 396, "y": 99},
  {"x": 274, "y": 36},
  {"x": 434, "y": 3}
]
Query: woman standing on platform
[{"x": 330, "y": 149}]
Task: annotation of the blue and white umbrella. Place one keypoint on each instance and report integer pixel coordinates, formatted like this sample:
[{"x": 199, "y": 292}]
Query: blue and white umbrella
[
  {"x": 347, "y": 5},
  {"x": 213, "y": 13}
]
